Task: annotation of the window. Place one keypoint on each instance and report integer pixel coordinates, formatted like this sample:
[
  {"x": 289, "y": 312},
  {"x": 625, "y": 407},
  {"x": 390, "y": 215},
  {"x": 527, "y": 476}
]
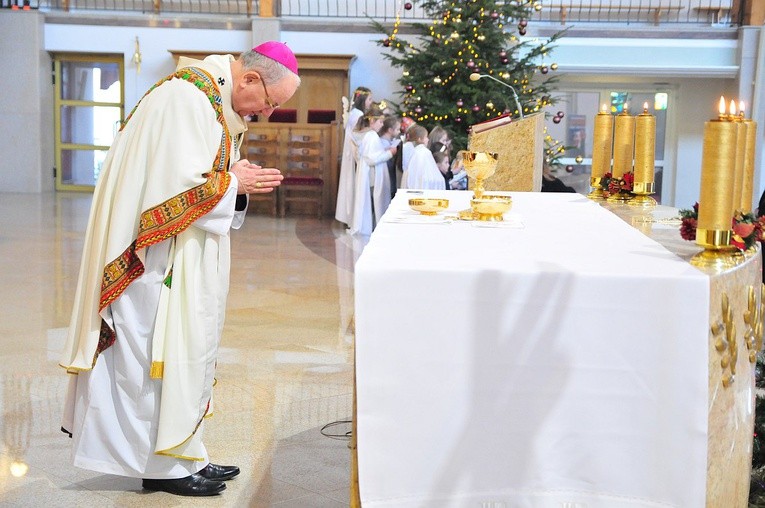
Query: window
[{"x": 89, "y": 103}]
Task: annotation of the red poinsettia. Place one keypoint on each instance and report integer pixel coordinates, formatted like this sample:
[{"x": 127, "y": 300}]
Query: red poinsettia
[
  {"x": 747, "y": 228},
  {"x": 611, "y": 185},
  {"x": 688, "y": 229}
]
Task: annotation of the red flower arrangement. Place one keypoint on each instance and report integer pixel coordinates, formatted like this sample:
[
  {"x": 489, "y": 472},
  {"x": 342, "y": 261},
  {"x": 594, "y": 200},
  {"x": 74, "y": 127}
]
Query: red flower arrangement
[
  {"x": 611, "y": 185},
  {"x": 747, "y": 228}
]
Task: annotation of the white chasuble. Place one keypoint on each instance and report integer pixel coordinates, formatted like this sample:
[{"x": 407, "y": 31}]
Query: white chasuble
[{"x": 151, "y": 295}]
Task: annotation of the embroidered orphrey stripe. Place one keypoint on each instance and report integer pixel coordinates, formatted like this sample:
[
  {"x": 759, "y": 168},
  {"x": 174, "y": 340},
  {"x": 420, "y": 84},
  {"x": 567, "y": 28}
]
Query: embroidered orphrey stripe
[
  {"x": 177, "y": 213},
  {"x": 196, "y": 77}
]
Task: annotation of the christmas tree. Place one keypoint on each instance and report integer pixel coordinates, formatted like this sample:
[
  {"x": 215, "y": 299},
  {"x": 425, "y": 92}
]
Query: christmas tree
[{"x": 482, "y": 38}]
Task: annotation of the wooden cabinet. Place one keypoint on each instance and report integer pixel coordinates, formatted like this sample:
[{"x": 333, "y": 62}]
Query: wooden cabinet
[
  {"x": 306, "y": 154},
  {"x": 316, "y": 109}
]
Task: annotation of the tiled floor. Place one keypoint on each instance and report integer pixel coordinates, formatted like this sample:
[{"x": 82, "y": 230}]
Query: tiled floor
[{"x": 284, "y": 370}]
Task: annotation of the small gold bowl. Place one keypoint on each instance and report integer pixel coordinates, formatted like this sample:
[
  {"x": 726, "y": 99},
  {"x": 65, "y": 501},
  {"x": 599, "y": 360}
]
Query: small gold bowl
[
  {"x": 491, "y": 207},
  {"x": 428, "y": 206}
]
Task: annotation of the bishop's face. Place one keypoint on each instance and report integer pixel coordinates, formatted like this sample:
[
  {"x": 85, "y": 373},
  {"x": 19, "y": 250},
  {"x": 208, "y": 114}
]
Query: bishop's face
[{"x": 251, "y": 96}]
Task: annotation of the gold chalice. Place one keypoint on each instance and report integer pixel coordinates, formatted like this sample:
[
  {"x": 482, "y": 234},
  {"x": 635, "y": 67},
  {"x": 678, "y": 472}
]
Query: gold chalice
[{"x": 479, "y": 167}]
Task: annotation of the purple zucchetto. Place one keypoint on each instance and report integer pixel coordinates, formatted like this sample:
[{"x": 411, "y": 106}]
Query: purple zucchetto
[{"x": 279, "y": 52}]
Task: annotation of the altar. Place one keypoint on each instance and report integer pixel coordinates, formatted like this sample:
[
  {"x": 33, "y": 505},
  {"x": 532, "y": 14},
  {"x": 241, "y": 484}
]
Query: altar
[{"x": 561, "y": 358}]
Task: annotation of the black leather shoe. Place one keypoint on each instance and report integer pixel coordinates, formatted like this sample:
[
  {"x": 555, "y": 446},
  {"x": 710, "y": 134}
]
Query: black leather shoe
[
  {"x": 220, "y": 473},
  {"x": 194, "y": 485}
]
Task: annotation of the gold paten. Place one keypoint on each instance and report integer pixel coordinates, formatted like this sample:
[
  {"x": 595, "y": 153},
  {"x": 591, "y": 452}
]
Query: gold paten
[{"x": 428, "y": 206}]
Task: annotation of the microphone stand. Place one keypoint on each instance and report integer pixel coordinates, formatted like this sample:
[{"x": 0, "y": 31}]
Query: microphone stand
[{"x": 515, "y": 95}]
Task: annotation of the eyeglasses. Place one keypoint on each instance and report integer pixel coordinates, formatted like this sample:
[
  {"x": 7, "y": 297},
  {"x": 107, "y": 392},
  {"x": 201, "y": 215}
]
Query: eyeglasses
[{"x": 269, "y": 102}]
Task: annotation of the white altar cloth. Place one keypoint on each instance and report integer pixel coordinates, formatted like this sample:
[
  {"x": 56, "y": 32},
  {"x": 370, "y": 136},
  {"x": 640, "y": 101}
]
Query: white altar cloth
[{"x": 561, "y": 364}]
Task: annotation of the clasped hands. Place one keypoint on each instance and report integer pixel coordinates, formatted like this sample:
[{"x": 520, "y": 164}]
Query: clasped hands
[{"x": 253, "y": 179}]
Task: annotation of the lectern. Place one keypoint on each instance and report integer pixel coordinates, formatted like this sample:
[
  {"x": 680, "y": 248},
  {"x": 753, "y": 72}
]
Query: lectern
[{"x": 520, "y": 145}]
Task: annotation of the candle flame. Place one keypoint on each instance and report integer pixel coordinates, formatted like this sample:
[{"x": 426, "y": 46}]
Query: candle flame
[
  {"x": 603, "y": 107},
  {"x": 645, "y": 107},
  {"x": 741, "y": 108},
  {"x": 721, "y": 108},
  {"x": 732, "y": 109}
]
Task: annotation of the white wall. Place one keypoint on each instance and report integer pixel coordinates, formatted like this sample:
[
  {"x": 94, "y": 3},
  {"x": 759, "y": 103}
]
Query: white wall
[
  {"x": 369, "y": 69},
  {"x": 156, "y": 61},
  {"x": 26, "y": 111},
  {"x": 698, "y": 81}
]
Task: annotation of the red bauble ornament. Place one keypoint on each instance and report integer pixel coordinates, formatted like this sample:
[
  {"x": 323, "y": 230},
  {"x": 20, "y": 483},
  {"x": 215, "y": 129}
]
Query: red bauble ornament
[
  {"x": 458, "y": 120},
  {"x": 408, "y": 6},
  {"x": 544, "y": 69},
  {"x": 386, "y": 43},
  {"x": 459, "y": 103},
  {"x": 470, "y": 64},
  {"x": 556, "y": 119},
  {"x": 569, "y": 168},
  {"x": 504, "y": 60},
  {"x": 418, "y": 109},
  {"x": 503, "y": 53},
  {"x": 522, "y": 23},
  {"x": 494, "y": 15},
  {"x": 522, "y": 30},
  {"x": 476, "y": 108},
  {"x": 561, "y": 114},
  {"x": 409, "y": 88}
]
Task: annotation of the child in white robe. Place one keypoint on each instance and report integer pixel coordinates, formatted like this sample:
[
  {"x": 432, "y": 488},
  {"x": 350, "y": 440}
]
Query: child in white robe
[
  {"x": 372, "y": 192},
  {"x": 422, "y": 172},
  {"x": 362, "y": 100}
]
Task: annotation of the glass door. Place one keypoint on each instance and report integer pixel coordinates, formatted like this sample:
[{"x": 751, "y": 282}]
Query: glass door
[{"x": 89, "y": 108}]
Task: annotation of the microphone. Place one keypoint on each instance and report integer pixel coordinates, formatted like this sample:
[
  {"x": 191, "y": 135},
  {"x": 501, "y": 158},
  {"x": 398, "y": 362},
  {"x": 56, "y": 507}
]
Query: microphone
[{"x": 475, "y": 77}]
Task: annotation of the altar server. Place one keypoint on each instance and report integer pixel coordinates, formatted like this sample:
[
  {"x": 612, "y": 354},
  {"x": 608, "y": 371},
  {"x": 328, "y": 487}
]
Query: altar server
[
  {"x": 422, "y": 172},
  {"x": 362, "y": 100},
  {"x": 372, "y": 195}
]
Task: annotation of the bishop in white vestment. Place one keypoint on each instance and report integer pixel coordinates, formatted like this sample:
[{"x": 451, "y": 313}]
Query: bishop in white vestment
[{"x": 151, "y": 294}]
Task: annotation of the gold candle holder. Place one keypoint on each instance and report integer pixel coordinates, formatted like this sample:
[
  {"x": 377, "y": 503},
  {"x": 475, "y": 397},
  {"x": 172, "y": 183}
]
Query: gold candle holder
[
  {"x": 603, "y": 131},
  {"x": 715, "y": 204},
  {"x": 645, "y": 160}
]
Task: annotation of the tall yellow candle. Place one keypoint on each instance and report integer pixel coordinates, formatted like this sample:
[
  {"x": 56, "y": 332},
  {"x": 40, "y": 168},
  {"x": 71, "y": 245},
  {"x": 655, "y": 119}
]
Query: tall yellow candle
[
  {"x": 718, "y": 161},
  {"x": 645, "y": 146},
  {"x": 624, "y": 139},
  {"x": 738, "y": 171},
  {"x": 601, "y": 143},
  {"x": 747, "y": 187}
]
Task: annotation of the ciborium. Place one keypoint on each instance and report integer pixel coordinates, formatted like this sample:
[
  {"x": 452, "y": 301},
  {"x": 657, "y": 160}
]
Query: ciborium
[{"x": 479, "y": 167}]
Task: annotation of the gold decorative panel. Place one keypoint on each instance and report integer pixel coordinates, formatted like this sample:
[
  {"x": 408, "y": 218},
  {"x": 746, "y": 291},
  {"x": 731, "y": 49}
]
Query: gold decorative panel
[{"x": 520, "y": 148}]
